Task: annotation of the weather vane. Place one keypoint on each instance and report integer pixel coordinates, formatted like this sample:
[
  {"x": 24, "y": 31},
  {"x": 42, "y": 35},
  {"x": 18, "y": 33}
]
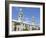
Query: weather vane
[{"x": 20, "y": 9}]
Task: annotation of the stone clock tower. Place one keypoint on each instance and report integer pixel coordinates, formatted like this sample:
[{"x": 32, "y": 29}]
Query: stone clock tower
[
  {"x": 20, "y": 19},
  {"x": 20, "y": 15}
]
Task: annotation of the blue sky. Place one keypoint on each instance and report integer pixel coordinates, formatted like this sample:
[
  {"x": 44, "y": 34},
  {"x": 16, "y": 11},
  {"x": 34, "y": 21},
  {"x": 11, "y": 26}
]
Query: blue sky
[{"x": 28, "y": 13}]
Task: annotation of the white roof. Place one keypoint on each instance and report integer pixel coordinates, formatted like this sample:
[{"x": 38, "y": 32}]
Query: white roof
[{"x": 24, "y": 22}]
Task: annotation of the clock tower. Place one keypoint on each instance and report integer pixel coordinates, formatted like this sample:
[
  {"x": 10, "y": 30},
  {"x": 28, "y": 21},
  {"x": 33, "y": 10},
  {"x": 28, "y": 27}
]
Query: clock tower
[{"x": 20, "y": 15}]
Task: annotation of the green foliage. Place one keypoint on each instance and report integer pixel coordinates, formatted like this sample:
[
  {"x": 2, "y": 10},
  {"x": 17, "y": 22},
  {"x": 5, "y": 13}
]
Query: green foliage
[{"x": 25, "y": 29}]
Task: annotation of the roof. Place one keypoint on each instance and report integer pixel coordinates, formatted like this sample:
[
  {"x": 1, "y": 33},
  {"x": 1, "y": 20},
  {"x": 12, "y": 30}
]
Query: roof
[{"x": 24, "y": 22}]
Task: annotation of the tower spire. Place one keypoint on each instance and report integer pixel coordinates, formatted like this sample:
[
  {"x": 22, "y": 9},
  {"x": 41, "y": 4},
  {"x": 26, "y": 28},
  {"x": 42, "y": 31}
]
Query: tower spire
[
  {"x": 20, "y": 16},
  {"x": 33, "y": 20}
]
